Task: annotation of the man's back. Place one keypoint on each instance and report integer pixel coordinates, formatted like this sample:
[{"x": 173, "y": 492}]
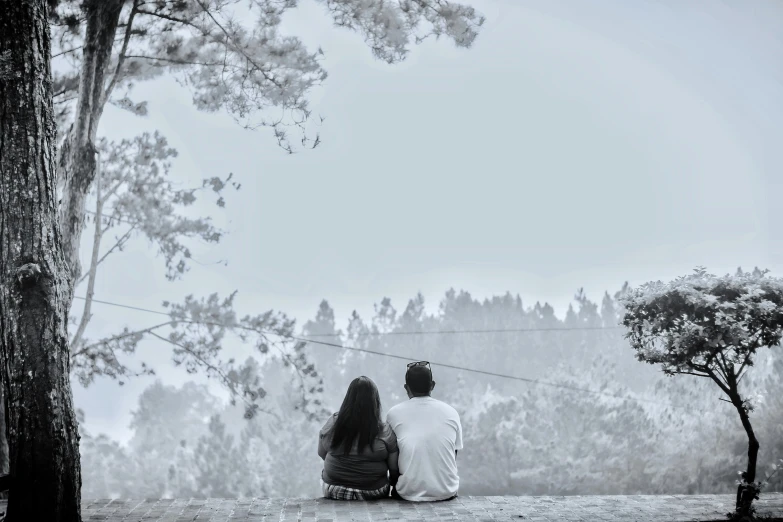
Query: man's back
[{"x": 428, "y": 433}]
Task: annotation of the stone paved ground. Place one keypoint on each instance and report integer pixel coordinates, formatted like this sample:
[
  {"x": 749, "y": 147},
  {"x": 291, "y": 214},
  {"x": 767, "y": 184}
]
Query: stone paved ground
[{"x": 674, "y": 508}]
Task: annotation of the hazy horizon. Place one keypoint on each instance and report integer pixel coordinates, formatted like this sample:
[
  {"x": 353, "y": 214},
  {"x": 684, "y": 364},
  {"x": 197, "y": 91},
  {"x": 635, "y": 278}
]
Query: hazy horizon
[{"x": 570, "y": 147}]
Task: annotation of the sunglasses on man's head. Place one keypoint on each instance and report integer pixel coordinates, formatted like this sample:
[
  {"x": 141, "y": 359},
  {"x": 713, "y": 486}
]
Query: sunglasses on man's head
[{"x": 419, "y": 363}]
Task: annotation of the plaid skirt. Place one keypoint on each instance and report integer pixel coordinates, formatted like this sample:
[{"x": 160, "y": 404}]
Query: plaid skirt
[{"x": 343, "y": 493}]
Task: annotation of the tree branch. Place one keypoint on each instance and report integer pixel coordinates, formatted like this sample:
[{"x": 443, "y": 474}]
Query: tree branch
[
  {"x": 724, "y": 372},
  {"x": 209, "y": 366},
  {"x": 229, "y": 39},
  {"x": 238, "y": 49},
  {"x": 693, "y": 373},
  {"x": 171, "y": 60},
  {"x": 698, "y": 367},
  {"x": 283, "y": 354},
  {"x": 113, "y": 190},
  {"x": 96, "y": 245},
  {"x": 740, "y": 375},
  {"x": 67, "y": 51},
  {"x": 61, "y": 92},
  {"x": 167, "y": 17},
  {"x": 135, "y": 223},
  {"x": 121, "y": 58},
  {"x": 720, "y": 383},
  {"x": 84, "y": 349},
  {"x": 55, "y": 55},
  {"x": 731, "y": 376},
  {"x": 64, "y": 100},
  {"x": 121, "y": 241}
]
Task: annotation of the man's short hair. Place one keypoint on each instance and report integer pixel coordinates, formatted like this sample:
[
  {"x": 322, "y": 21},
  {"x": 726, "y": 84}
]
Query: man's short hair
[{"x": 419, "y": 379}]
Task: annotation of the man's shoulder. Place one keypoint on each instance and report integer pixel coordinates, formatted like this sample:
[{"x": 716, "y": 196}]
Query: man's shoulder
[
  {"x": 395, "y": 409},
  {"x": 430, "y": 403},
  {"x": 446, "y": 407}
]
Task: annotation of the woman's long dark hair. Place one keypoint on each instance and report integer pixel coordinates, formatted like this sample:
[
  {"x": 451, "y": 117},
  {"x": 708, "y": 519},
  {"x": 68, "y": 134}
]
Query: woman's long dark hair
[{"x": 359, "y": 416}]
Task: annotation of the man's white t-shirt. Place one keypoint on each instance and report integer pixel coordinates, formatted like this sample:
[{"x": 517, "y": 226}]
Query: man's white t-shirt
[{"x": 428, "y": 431}]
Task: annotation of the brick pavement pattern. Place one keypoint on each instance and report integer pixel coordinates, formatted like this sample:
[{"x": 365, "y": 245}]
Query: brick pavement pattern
[{"x": 642, "y": 508}]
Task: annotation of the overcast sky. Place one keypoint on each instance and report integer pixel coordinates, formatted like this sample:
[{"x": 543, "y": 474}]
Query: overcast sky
[{"x": 576, "y": 144}]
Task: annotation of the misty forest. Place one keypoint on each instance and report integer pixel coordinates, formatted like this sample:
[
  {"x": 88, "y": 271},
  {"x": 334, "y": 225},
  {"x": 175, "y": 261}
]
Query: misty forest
[
  {"x": 645, "y": 433},
  {"x": 638, "y": 389}
]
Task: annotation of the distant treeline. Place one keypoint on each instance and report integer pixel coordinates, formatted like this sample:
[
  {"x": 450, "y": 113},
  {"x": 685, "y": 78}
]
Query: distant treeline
[{"x": 663, "y": 435}]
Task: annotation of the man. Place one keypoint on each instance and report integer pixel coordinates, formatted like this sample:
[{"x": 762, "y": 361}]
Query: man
[{"x": 429, "y": 435}]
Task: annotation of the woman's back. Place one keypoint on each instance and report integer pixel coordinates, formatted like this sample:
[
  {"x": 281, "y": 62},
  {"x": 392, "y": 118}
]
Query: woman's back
[{"x": 364, "y": 468}]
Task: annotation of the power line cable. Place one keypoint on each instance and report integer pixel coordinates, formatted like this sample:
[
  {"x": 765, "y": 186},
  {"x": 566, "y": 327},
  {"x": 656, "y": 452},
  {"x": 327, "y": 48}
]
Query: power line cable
[
  {"x": 124, "y": 306},
  {"x": 489, "y": 330},
  {"x": 401, "y": 357}
]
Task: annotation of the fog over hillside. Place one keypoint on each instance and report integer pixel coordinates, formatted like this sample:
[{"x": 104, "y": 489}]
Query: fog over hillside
[
  {"x": 600, "y": 422},
  {"x": 478, "y": 208}
]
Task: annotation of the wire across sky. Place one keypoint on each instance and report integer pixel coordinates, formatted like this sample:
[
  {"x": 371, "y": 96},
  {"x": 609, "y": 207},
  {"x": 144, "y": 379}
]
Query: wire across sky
[{"x": 433, "y": 363}]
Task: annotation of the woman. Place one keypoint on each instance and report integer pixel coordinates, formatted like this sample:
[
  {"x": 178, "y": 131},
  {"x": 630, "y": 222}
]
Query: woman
[{"x": 358, "y": 448}]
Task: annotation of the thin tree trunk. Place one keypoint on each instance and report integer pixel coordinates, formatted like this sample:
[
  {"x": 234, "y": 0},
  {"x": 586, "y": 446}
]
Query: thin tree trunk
[
  {"x": 96, "y": 247},
  {"x": 745, "y": 495},
  {"x": 78, "y": 161},
  {"x": 35, "y": 286}
]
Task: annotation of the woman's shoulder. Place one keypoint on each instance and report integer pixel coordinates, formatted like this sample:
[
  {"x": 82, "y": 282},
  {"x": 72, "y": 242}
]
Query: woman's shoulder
[
  {"x": 386, "y": 430},
  {"x": 329, "y": 424},
  {"x": 388, "y": 437}
]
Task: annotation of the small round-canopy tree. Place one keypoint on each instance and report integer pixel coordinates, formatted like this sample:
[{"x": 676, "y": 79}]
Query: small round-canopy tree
[{"x": 710, "y": 327}]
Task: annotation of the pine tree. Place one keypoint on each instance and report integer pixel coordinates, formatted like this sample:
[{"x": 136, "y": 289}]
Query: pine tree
[
  {"x": 35, "y": 289},
  {"x": 218, "y": 462}
]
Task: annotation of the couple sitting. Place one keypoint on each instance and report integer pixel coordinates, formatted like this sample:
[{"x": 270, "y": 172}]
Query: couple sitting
[{"x": 417, "y": 445}]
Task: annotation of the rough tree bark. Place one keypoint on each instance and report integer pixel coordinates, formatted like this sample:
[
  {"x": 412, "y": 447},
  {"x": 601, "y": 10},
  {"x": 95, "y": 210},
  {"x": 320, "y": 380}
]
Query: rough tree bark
[
  {"x": 35, "y": 284},
  {"x": 3, "y": 444}
]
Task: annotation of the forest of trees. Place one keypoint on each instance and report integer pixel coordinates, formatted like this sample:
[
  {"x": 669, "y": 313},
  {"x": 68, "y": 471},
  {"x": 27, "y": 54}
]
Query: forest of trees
[
  {"x": 640, "y": 432},
  {"x": 644, "y": 433},
  {"x": 61, "y": 63}
]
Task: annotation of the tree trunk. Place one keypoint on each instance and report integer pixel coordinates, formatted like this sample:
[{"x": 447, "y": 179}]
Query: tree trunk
[
  {"x": 745, "y": 494},
  {"x": 3, "y": 441},
  {"x": 78, "y": 162},
  {"x": 35, "y": 286}
]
